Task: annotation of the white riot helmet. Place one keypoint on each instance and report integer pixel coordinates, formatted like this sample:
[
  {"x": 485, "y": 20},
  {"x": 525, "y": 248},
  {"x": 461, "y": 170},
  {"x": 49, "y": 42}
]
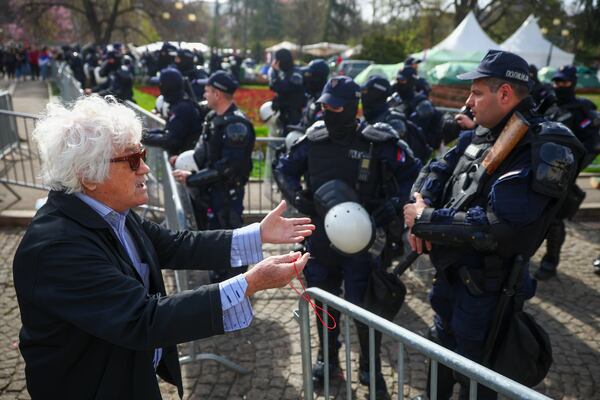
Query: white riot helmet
[
  {"x": 348, "y": 225},
  {"x": 162, "y": 106},
  {"x": 266, "y": 111},
  {"x": 186, "y": 161}
]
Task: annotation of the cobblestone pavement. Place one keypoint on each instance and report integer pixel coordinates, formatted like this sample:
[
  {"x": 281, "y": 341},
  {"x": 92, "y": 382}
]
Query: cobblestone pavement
[{"x": 568, "y": 307}]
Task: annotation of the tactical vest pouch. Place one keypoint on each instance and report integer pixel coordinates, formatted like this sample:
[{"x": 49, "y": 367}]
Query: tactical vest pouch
[{"x": 524, "y": 351}]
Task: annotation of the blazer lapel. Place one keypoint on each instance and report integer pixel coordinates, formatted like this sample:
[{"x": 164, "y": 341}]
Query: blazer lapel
[{"x": 144, "y": 246}]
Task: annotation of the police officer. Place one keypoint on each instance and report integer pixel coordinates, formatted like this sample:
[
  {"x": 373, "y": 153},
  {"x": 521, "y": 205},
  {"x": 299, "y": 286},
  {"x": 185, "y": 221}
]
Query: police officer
[
  {"x": 421, "y": 84},
  {"x": 376, "y": 109},
  {"x": 223, "y": 157},
  {"x": 185, "y": 118},
  {"x": 580, "y": 116},
  {"x": 475, "y": 224},
  {"x": 417, "y": 107},
  {"x": 286, "y": 81},
  {"x": 379, "y": 167},
  {"x": 315, "y": 76},
  {"x": 539, "y": 90},
  {"x": 119, "y": 82},
  {"x": 184, "y": 62}
]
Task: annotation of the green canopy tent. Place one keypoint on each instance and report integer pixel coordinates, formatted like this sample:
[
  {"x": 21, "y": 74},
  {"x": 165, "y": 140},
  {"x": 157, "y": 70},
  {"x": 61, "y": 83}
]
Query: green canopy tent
[
  {"x": 445, "y": 74},
  {"x": 388, "y": 71}
]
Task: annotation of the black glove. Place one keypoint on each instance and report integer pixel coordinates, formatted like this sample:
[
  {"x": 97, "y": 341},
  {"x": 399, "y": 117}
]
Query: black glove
[
  {"x": 303, "y": 201},
  {"x": 385, "y": 213}
]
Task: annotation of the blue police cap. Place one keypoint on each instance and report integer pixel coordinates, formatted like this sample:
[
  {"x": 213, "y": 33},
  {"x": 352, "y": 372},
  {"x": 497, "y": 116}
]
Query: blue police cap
[
  {"x": 339, "y": 91},
  {"x": 500, "y": 64},
  {"x": 222, "y": 81},
  {"x": 377, "y": 82},
  {"x": 411, "y": 60},
  {"x": 406, "y": 73},
  {"x": 565, "y": 73}
]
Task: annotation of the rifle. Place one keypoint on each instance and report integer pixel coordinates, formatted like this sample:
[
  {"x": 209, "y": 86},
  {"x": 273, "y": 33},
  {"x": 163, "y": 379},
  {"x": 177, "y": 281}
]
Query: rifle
[{"x": 514, "y": 130}]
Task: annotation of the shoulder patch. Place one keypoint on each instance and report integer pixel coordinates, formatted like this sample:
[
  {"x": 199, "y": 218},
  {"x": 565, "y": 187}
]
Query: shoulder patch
[
  {"x": 379, "y": 132},
  {"x": 317, "y": 132}
]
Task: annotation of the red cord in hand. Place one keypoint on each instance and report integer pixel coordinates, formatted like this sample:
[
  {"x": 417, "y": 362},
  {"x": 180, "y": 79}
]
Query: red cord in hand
[{"x": 315, "y": 307}]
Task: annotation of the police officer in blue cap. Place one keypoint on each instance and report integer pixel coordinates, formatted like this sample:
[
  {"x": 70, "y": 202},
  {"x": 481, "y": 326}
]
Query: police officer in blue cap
[
  {"x": 369, "y": 163},
  {"x": 314, "y": 76},
  {"x": 421, "y": 84},
  {"x": 376, "y": 109},
  {"x": 286, "y": 81},
  {"x": 223, "y": 157},
  {"x": 416, "y": 106},
  {"x": 581, "y": 117},
  {"x": 475, "y": 224},
  {"x": 184, "y": 118}
]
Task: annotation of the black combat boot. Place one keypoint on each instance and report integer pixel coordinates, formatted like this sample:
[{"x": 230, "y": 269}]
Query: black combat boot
[
  {"x": 554, "y": 241},
  {"x": 318, "y": 372}
]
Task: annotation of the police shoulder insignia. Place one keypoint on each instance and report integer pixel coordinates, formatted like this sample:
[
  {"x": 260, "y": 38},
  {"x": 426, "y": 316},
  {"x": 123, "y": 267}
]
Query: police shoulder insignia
[
  {"x": 379, "y": 132},
  {"x": 317, "y": 132}
]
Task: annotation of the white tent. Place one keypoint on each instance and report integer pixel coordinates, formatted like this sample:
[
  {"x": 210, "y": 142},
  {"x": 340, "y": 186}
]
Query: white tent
[
  {"x": 467, "y": 43},
  {"x": 283, "y": 45},
  {"x": 529, "y": 43},
  {"x": 324, "y": 49},
  {"x": 182, "y": 45}
]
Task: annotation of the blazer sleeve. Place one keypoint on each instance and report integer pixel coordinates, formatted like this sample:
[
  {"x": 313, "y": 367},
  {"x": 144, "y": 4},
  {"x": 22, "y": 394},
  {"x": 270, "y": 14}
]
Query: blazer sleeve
[
  {"x": 77, "y": 280},
  {"x": 189, "y": 249}
]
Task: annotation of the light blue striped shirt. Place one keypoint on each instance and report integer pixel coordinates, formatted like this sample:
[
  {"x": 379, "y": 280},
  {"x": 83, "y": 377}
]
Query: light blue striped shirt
[{"x": 246, "y": 248}]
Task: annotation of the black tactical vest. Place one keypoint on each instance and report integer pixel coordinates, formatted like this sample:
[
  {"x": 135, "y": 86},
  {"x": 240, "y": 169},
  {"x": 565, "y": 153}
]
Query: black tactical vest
[{"x": 353, "y": 162}]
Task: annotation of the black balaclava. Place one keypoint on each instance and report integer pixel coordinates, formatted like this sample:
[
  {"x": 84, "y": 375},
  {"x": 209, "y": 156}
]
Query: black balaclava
[
  {"x": 341, "y": 124},
  {"x": 374, "y": 103},
  {"x": 406, "y": 89},
  {"x": 565, "y": 94},
  {"x": 286, "y": 61}
]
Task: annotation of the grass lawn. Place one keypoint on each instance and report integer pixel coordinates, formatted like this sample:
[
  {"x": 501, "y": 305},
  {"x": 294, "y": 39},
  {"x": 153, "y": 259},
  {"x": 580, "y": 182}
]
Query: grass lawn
[
  {"x": 593, "y": 97},
  {"x": 144, "y": 100}
]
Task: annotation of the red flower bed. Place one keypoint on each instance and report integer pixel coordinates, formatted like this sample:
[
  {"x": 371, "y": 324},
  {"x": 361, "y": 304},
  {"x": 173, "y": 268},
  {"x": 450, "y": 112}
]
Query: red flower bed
[
  {"x": 151, "y": 90},
  {"x": 248, "y": 100}
]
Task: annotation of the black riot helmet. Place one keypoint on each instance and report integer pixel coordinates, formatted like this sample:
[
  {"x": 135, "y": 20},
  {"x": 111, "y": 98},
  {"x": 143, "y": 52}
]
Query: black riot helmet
[
  {"x": 171, "y": 85},
  {"x": 285, "y": 58},
  {"x": 315, "y": 76},
  {"x": 184, "y": 60}
]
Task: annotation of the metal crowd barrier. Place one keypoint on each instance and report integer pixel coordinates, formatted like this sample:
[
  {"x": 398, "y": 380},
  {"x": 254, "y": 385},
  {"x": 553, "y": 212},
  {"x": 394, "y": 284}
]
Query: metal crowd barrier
[
  {"x": 69, "y": 87},
  {"x": 19, "y": 158},
  {"x": 405, "y": 338},
  {"x": 9, "y": 139}
]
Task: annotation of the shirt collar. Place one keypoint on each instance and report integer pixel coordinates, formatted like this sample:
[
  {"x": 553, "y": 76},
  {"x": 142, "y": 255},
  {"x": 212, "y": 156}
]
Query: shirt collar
[{"x": 114, "y": 218}]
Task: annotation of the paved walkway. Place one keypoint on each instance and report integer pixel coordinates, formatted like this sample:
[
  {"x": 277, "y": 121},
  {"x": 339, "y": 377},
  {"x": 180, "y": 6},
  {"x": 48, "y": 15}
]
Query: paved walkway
[{"x": 567, "y": 307}]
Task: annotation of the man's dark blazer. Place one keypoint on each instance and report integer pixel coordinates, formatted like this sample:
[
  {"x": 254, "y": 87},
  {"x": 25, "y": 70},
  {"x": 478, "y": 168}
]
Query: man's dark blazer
[{"x": 89, "y": 328}]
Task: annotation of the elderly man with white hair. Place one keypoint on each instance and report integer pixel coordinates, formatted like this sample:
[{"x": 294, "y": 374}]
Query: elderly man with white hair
[{"x": 97, "y": 322}]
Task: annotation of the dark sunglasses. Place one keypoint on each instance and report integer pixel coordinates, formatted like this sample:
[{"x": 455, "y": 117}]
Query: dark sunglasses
[{"x": 134, "y": 159}]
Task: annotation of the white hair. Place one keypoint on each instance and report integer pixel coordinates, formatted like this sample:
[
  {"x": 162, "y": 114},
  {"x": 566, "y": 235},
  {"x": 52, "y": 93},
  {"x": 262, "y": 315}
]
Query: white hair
[{"x": 77, "y": 144}]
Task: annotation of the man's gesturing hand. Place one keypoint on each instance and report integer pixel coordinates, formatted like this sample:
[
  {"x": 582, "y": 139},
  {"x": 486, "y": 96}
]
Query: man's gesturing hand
[
  {"x": 274, "y": 272},
  {"x": 276, "y": 229}
]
